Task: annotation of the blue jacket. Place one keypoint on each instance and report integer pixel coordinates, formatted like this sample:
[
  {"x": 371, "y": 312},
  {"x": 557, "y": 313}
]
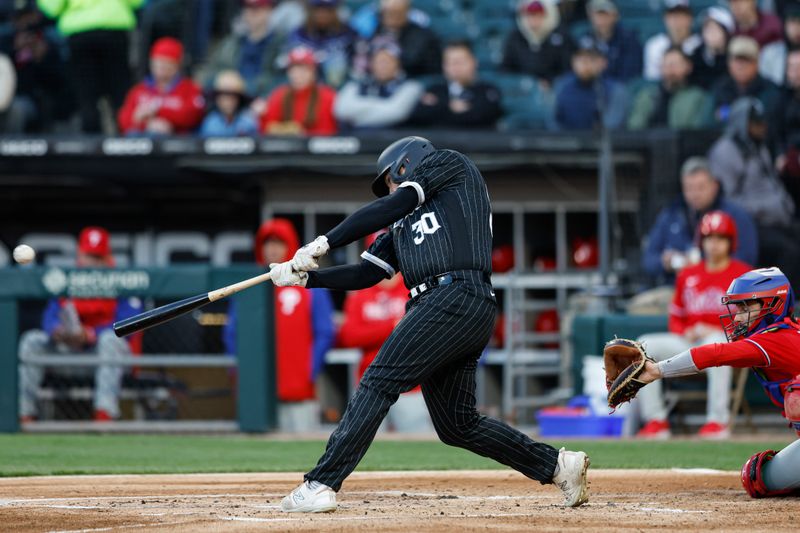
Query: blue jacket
[
  {"x": 624, "y": 54},
  {"x": 576, "y": 104},
  {"x": 321, "y": 324},
  {"x": 215, "y": 125},
  {"x": 126, "y": 308},
  {"x": 675, "y": 229}
]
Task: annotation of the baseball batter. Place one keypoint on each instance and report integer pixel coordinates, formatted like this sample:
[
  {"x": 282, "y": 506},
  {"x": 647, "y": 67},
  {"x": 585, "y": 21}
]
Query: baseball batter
[
  {"x": 438, "y": 207},
  {"x": 763, "y": 335}
]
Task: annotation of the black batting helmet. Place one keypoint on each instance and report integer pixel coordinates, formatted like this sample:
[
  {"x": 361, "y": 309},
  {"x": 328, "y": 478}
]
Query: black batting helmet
[{"x": 408, "y": 152}]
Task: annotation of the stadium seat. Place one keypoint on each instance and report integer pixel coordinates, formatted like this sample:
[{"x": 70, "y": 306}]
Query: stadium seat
[
  {"x": 494, "y": 9},
  {"x": 489, "y": 48},
  {"x": 646, "y": 27},
  {"x": 525, "y": 106},
  {"x": 453, "y": 27},
  {"x": 640, "y": 8},
  {"x": 633, "y": 86},
  {"x": 579, "y": 28},
  {"x": 439, "y": 8}
]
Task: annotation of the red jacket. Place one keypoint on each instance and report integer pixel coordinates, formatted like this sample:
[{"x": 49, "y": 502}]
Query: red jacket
[
  {"x": 769, "y": 29},
  {"x": 294, "y": 340},
  {"x": 698, "y": 295},
  {"x": 182, "y": 105},
  {"x": 322, "y": 123},
  {"x": 370, "y": 315}
]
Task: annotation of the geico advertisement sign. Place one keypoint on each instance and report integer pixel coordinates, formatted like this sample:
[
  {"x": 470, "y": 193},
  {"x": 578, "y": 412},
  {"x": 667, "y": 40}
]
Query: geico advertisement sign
[{"x": 142, "y": 249}]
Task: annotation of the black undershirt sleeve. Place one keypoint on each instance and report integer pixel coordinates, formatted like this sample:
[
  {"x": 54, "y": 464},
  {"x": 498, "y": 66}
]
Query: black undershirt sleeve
[
  {"x": 374, "y": 216},
  {"x": 347, "y": 277}
]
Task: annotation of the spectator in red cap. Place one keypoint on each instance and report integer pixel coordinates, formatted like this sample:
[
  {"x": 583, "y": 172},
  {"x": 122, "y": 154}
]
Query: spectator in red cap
[
  {"x": 537, "y": 46},
  {"x": 81, "y": 326},
  {"x": 165, "y": 103},
  {"x": 303, "y": 106},
  {"x": 252, "y": 49}
]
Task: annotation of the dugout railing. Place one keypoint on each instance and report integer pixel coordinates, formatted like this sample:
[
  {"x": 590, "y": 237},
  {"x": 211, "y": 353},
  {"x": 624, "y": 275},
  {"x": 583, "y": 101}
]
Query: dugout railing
[{"x": 251, "y": 367}]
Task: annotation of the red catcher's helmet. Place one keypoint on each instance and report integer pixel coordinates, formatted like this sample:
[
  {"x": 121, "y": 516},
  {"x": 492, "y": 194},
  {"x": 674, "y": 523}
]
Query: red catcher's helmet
[
  {"x": 584, "y": 252},
  {"x": 502, "y": 258},
  {"x": 718, "y": 223}
]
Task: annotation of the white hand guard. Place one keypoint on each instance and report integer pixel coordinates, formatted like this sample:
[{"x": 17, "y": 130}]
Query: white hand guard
[
  {"x": 306, "y": 257},
  {"x": 282, "y": 275}
]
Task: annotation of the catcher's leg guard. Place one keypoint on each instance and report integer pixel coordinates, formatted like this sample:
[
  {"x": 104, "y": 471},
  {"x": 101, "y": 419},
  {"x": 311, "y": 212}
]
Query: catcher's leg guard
[
  {"x": 752, "y": 479},
  {"x": 791, "y": 403}
]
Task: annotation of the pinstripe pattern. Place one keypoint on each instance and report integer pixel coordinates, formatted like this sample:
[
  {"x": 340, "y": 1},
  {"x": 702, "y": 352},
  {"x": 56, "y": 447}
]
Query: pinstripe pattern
[
  {"x": 455, "y": 193},
  {"x": 438, "y": 342}
]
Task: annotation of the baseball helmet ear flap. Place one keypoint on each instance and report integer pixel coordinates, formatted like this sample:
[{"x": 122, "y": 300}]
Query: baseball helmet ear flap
[{"x": 398, "y": 161}]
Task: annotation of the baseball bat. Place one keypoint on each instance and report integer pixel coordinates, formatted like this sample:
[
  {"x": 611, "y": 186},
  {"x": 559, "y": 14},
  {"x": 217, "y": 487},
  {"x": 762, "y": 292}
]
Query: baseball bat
[{"x": 167, "y": 312}]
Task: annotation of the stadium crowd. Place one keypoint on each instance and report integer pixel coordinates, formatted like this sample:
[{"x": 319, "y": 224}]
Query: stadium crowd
[{"x": 319, "y": 67}]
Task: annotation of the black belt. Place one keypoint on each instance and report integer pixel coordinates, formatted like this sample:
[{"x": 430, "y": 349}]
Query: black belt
[{"x": 447, "y": 278}]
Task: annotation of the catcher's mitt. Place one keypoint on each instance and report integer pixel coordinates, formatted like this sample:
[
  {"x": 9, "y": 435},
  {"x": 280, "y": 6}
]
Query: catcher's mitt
[{"x": 624, "y": 361}]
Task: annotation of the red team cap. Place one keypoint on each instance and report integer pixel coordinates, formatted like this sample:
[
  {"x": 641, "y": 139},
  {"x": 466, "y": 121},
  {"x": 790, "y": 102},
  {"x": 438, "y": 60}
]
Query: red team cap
[
  {"x": 302, "y": 55},
  {"x": 94, "y": 240},
  {"x": 533, "y": 7},
  {"x": 718, "y": 223},
  {"x": 167, "y": 48}
]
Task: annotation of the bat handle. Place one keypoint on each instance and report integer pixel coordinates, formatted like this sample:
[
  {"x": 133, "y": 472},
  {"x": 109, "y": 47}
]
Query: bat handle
[{"x": 224, "y": 292}]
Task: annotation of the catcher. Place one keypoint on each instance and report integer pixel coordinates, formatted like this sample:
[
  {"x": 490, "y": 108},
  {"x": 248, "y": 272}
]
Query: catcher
[{"x": 763, "y": 335}]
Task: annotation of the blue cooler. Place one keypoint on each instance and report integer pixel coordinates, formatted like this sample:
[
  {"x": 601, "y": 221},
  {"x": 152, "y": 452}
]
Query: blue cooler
[{"x": 578, "y": 420}]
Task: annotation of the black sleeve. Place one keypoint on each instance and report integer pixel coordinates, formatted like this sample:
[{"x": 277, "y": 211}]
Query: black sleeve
[
  {"x": 373, "y": 216},
  {"x": 347, "y": 277}
]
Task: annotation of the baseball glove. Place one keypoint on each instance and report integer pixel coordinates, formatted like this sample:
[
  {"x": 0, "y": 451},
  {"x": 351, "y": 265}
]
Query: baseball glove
[{"x": 624, "y": 362}]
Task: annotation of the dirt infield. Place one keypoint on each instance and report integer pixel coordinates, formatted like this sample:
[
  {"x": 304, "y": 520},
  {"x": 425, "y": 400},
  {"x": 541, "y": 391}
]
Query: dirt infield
[{"x": 391, "y": 501}]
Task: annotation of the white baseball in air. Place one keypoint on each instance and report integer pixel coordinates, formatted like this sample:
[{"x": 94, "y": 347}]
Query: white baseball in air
[{"x": 24, "y": 254}]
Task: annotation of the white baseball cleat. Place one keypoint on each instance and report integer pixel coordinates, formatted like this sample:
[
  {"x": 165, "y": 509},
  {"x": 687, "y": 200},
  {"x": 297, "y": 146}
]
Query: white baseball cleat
[
  {"x": 571, "y": 477},
  {"x": 310, "y": 497}
]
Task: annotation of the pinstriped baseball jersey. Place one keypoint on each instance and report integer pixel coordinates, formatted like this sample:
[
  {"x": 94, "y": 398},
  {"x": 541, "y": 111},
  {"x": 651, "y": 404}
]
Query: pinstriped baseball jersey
[{"x": 449, "y": 230}]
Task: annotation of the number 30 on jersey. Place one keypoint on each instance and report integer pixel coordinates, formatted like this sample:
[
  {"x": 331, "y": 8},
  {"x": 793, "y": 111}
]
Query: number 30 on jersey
[{"x": 426, "y": 225}]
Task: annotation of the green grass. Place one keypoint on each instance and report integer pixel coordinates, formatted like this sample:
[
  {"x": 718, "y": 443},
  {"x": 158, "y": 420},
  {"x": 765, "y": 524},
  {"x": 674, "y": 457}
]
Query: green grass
[{"x": 25, "y": 455}]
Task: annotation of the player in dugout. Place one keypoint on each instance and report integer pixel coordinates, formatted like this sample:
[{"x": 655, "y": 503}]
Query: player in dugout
[
  {"x": 80, "y": 326},
  {"x": 303, "y": 332},
  {"x": 694, "y": 321},
  {"x": 762, "y": 335},
  {"x": 438, "y": 207}
]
